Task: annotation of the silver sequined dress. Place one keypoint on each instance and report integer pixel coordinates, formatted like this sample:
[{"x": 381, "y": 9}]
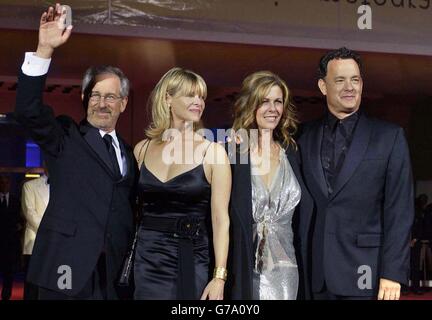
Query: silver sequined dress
[{"x": 275, "y": 273}]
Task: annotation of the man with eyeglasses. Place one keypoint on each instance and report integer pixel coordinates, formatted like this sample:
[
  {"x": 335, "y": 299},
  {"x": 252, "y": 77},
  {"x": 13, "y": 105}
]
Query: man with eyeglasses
[{"x": 88, "y": 225}]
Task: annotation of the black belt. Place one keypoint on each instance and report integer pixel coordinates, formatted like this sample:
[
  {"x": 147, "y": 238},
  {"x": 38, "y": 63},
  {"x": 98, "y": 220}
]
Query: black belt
[{"x": 186, "y": 229}]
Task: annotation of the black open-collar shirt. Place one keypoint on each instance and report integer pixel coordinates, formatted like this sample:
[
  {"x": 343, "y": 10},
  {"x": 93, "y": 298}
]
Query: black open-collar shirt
[{"x": 337, "y": 137}]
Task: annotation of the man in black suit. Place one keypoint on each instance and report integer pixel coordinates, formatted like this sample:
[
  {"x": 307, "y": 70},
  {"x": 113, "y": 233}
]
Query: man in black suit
[
  {"x": 358, "y": 172},
  {"x": 9, "y": 236},
  {"x": 88, "y": 224}
]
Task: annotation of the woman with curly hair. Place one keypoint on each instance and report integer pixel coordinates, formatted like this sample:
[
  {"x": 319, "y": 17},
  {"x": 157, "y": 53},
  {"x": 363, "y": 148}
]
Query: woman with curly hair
[{"x": 266, "y": 192}]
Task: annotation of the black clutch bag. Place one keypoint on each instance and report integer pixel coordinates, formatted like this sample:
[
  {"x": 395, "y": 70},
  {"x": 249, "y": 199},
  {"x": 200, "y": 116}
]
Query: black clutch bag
[{"x": 126, "y": 278}]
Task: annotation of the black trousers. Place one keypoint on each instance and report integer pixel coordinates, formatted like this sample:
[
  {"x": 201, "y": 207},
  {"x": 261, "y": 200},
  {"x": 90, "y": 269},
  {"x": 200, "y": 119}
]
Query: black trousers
[
  {"x": 95, "y": 288},
  {"x": 9, "y": 261},
  {"x": 7, "y": 270},
  {"x": 7, "y": 276},
  {"x": 30, "y": 290},
  {"x": 327, "y": 295},
  {"x": 415, "y": 266}
]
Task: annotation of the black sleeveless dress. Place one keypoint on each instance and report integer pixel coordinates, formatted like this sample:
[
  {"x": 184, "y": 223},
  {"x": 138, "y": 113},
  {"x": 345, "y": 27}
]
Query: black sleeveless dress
[{"x": 172, "y": 253}]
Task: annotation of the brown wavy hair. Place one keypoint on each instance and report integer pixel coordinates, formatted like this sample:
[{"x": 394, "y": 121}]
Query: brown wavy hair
[{"x": 255, "y": 88}]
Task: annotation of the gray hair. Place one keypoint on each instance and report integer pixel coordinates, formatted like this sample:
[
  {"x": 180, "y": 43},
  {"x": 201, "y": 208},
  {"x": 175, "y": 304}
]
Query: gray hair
[{"x": 92, "y": 72}]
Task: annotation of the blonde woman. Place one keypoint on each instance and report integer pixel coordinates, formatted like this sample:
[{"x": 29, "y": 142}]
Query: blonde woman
[
  {"x": 185, "y": 197},
  {"x": 266, "y": 191}
]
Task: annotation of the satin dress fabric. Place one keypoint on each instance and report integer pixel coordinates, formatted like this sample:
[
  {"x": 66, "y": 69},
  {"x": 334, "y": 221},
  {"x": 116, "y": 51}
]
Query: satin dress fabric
[{"x": 157, "y": 259}]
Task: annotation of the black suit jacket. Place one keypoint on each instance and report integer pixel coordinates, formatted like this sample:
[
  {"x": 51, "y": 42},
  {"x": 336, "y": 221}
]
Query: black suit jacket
[
  {"x": 365, "y": 223},
  {"x": 241, "y": 258},
  {"x": 89, "y": 211}
]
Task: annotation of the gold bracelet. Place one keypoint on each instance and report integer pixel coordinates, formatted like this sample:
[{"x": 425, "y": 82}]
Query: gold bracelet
[{"x": 220, "y": 273}]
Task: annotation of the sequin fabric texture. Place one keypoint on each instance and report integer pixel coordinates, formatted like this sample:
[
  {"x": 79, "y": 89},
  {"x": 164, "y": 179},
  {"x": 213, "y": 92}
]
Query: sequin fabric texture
[{"x": 275, "y": 272}]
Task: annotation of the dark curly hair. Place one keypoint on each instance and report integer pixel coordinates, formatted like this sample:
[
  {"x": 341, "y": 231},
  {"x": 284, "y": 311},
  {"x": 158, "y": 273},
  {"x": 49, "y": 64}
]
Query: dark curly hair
[{"x": 341, "y": 53}]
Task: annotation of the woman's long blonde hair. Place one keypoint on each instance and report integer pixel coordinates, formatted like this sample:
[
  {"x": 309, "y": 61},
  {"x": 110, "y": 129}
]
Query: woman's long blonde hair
[
  {"x": 255, "y": 88},
  {"x": 177, "y": 81}
]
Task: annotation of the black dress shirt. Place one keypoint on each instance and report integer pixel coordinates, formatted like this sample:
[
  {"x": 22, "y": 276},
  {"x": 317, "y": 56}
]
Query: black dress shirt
[{"x": 337, "y": 136}]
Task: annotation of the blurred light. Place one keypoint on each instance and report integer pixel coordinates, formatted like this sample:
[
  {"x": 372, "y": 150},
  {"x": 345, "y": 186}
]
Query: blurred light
[
  {"x": 33, "y": 155},
  {"x": 32, "y": 175}
]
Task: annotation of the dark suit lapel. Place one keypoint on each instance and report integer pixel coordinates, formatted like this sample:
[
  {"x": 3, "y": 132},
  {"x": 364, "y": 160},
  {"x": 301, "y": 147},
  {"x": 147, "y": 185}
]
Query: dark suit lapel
[
  {"x": 305, "y": 196},
  {"x": 96, "y": 144},
  {"x": 314, "y": 154},
  {"x": 355, "y": 153},
  {"x": 292, "y": 158}
]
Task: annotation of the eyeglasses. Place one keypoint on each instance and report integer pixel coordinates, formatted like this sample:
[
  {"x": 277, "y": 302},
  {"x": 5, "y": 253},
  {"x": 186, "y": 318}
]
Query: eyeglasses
[{"x": 109, "y": 98}]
